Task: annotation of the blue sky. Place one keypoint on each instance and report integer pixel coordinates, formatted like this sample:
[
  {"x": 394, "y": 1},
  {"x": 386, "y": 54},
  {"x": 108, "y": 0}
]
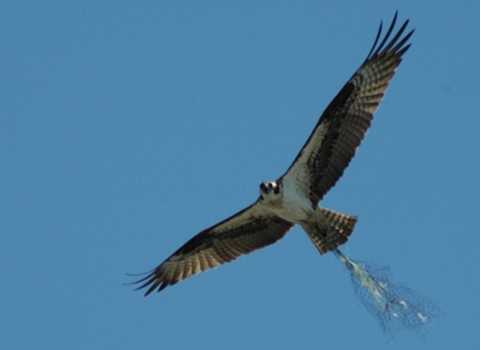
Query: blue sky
[{"x": 126, "y": 129}]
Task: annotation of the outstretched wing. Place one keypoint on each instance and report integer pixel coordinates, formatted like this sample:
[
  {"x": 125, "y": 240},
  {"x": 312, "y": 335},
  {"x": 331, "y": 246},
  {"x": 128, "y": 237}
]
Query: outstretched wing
[
  {"x": 343, "y": 125},
  {"x": 252, "y": 228}
]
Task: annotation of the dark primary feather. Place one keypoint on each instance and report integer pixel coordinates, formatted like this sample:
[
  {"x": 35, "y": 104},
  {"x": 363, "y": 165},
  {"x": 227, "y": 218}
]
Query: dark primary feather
[
  {"x": 343, "y": 125},
  {"x": 244, "y": 232}
]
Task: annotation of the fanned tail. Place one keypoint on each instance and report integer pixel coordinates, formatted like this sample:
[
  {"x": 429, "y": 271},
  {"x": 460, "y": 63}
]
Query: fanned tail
[{"x": 331, "y": 230}]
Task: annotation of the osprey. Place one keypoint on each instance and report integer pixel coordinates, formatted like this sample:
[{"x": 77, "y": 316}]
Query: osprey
[{"x": 293, "y": 198}]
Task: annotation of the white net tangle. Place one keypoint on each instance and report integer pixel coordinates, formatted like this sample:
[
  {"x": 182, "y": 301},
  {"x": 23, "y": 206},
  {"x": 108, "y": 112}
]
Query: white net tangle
[{"x": 395, "y": 306}]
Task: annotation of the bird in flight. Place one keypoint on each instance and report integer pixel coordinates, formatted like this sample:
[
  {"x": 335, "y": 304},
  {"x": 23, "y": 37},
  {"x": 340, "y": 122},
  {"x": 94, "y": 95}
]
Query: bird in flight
[{"x": 293, "y": 198}]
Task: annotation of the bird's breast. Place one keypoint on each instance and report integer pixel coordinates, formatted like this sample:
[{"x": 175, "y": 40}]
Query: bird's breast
[{"x": 292, "y": 205}]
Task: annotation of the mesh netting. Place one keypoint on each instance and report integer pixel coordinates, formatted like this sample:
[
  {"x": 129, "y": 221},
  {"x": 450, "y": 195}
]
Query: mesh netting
[{"x": 395, "y": 306}]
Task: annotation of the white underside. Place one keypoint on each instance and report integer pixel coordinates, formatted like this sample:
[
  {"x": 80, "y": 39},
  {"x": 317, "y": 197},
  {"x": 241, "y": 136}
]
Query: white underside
[{"x": 291, "y": 204}]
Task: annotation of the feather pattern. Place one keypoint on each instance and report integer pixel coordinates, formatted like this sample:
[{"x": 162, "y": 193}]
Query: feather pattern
[
  {"x": 345, "y": 122},
  {"x": 252, "y": 228}
]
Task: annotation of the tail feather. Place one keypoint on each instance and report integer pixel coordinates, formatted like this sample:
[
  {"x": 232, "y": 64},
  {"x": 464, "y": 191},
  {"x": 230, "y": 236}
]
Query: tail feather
[{"x": 331, "y": 230}]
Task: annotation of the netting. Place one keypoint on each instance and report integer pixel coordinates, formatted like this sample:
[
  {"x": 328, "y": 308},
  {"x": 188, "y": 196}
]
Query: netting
[{"x": 395, "y": 306}]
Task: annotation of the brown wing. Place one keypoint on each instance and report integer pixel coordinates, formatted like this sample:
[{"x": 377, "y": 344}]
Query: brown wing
[
  {"x": 250, "y": 229},
  {"x": 343, "y": 125}
]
